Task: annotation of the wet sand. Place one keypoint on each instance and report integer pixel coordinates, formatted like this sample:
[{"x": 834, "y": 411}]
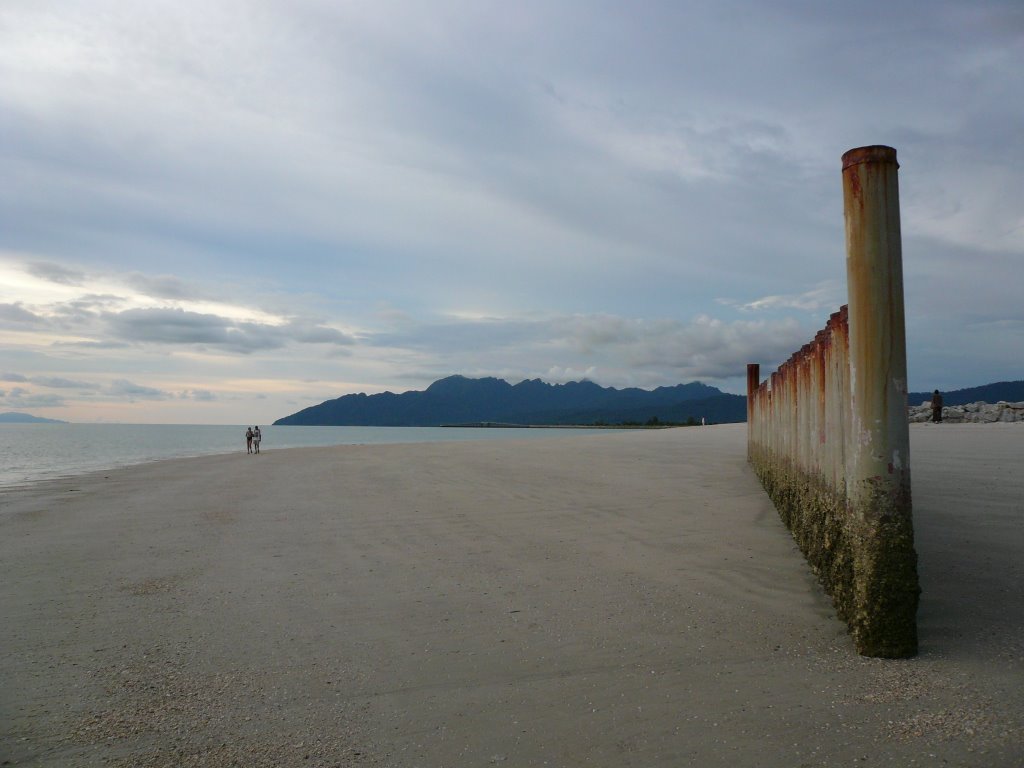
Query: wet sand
[{"x": 604, "y": 600}]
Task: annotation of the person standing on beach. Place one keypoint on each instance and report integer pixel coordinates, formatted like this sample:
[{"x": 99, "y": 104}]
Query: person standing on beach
[
  {"x": 936, "y": 407},
  {"x": 256, "y": 437},
  {"x": 248, "y": 440}
]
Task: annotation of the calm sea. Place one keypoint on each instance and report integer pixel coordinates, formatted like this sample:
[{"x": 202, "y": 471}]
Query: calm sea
[{"x": 32, "y": 452}]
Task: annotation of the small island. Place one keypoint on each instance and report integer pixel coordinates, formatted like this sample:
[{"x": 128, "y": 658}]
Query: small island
[{"x": 14, "y": 417}]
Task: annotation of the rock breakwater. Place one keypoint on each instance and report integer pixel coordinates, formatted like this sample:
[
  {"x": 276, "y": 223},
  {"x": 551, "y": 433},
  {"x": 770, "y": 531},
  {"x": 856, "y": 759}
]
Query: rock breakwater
[{"x": 975, "y": 413}]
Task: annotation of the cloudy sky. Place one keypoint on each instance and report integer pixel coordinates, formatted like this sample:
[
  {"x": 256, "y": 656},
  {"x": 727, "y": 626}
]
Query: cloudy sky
[{"x": 218, "y": 211}]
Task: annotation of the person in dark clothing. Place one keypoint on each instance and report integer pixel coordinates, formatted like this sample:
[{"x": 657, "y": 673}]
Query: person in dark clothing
[{"x": 936, "y": 407}]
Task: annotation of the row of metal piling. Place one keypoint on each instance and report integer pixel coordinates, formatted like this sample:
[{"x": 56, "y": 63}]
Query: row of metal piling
[
  {"x": 828, "y": 435},
  {"x": 802, "y": 412}
]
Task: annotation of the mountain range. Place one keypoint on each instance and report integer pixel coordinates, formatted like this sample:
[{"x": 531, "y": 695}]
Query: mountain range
[
  {"x": 1008, "y": 391},
  {"x": 461, "y": 400}
]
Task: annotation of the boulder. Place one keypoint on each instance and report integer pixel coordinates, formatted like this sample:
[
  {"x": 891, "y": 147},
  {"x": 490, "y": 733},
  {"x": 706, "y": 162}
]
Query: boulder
[{"x": 953, "y": 413}]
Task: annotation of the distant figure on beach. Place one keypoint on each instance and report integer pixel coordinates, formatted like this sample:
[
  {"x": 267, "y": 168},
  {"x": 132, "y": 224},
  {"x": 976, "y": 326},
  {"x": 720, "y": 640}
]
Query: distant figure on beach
[
  {"x": 256, "y": 437},
  {"x": 936, "y": 407},
  {"x": 702, "y": 422},
  {"x": 248, "y": 440}
]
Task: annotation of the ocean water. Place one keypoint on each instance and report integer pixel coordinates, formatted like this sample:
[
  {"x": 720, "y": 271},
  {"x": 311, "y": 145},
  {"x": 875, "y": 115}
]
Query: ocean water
[{"x": 34, "y": 452}]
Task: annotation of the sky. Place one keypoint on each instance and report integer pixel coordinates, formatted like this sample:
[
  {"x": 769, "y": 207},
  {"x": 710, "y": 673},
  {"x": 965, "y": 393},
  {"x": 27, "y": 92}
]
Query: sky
[{"x": 216, "y": 211}]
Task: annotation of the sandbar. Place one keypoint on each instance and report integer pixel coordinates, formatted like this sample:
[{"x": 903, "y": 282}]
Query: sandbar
[{"x": 618, "y": 600}]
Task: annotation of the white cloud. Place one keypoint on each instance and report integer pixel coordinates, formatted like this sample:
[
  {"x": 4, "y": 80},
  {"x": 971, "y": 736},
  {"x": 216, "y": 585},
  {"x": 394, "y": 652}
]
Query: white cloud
[
  {"x": 13, "y": 315},
  {"x": 132, "y": 391},
  {"x": 55, "y": 273},
  {"x": 21, "y": 399},
  {"x": 201, "y": 395},
  {"x": 561, "y": 375},
  {"x": 610, "y": 349},
  {"x": 58, "y": 382},
  {"x": 826, "y": 296}
]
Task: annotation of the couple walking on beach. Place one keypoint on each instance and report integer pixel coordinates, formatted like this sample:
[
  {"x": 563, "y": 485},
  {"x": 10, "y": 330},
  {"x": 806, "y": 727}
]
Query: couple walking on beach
[{"x": 252, "y": 440}]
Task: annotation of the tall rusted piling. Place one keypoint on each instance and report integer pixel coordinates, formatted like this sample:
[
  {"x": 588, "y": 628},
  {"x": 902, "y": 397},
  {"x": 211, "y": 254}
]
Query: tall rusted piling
[
  {"x": 828, "y": 434},
  {"x": 878, "y": 470},
  {"x": 753, "y": 379}
]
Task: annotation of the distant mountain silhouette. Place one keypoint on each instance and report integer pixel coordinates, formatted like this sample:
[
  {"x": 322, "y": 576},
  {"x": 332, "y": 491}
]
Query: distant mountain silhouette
[
  {"x": 13, "y": 417},
  {"x": 461, "y": 400},
  {"x": 1010, "y": 391}
]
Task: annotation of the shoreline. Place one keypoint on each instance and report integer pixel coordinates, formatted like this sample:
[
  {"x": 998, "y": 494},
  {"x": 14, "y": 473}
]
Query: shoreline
[
  {"x": 74, "y": 449},
  {"x": 629, "y": 599},
  {"x": 499, "y": 425}
]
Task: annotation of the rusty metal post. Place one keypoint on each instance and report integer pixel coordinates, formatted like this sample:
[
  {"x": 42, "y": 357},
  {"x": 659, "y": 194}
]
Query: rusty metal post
[
  {"x": 753, "y": 382},
  {"x": 878, "y": 468}
]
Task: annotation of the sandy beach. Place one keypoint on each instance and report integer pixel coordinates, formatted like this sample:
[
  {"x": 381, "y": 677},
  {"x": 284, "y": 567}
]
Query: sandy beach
[{"x": 601, "y": 600}]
